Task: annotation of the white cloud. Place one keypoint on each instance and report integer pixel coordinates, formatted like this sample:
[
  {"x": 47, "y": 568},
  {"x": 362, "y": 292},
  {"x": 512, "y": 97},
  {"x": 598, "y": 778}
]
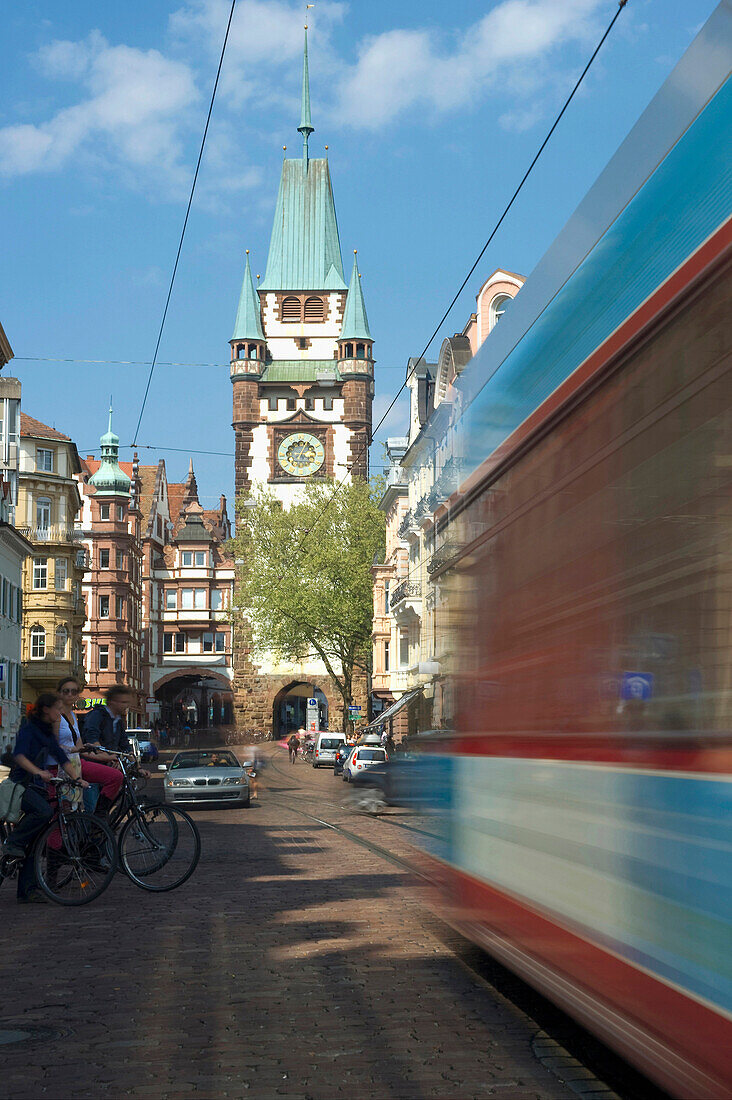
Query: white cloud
[
  {"x": 400, "y": 70},
  {"x": 266, "y": 36},
  {"x": 130, "y": 113}
]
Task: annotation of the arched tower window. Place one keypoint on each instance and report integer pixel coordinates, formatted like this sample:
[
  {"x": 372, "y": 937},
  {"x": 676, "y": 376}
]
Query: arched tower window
[
  {"x": 291, "y": 309},
  {"x": 240, "y": 352},
  {"x": 253, "y": 351},
  {"x": 314, "y": 309},
  {"x": 498, "y": 307},
  {"x": 360, "y": 351}
]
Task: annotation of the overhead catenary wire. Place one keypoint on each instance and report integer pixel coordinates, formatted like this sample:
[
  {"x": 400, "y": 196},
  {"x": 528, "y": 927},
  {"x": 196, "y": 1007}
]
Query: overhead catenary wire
[
  {"x": 419, "y": 359},
  {"x": 185, "y": 220}
]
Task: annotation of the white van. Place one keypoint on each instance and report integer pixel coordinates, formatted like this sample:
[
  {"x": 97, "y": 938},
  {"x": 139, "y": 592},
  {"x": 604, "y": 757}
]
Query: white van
[{"x": 326, "y": 747}]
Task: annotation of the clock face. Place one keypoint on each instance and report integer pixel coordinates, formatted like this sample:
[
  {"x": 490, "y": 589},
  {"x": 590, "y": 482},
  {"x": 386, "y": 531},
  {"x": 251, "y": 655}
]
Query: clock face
[{"x": 301, "y": 454}]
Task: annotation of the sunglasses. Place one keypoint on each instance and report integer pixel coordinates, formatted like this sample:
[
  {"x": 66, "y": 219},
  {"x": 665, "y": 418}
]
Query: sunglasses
[{"x": 69, "y": 691}]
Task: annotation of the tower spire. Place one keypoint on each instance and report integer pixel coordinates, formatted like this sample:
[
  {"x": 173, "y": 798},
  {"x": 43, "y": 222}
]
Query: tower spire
[{"x": 306, "y": 127}]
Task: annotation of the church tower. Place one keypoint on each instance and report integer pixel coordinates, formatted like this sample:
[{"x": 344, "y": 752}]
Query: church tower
[{"x": 301, "y": 353}]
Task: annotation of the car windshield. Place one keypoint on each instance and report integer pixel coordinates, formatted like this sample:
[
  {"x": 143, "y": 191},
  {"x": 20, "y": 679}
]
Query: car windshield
[
  {"x": 330, "y": 743},
  {"x": 204, "y": 760},
  {"x": 371, "y": 754}
]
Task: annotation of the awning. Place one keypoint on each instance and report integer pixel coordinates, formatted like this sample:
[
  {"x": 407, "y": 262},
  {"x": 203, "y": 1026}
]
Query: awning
[{"x": 392, "y": 710}]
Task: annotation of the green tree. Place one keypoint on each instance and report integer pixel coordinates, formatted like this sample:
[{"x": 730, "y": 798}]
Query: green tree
[{"x": 304, "y": 581}]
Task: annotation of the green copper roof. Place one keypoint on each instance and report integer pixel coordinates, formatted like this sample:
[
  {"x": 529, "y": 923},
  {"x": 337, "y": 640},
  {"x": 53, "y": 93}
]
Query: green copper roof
[
  {"x": 300, "y": 370},
  {"x": 304, "y": 245},
  {"x": 109, "y": 480},
  {"x": 248, "y": 325},
  {"x": 355, "y": 322}
]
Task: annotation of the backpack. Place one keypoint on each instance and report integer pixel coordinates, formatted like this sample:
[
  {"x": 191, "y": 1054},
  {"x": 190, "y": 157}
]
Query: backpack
[{"x": 11, "y": 795}]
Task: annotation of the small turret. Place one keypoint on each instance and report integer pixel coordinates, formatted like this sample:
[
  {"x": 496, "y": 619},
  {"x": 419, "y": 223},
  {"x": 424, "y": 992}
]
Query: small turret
[
  {"x": 248, "y": 347},
  {"x": 354, "y": 342},
  {"x": 110, "y": 480}
]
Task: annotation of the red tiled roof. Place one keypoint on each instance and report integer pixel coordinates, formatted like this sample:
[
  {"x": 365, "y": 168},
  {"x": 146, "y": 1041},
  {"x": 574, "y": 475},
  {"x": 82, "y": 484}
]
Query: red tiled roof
[
  {"x": 176, "y": 491},
  {"x": 30, "y": 426}
]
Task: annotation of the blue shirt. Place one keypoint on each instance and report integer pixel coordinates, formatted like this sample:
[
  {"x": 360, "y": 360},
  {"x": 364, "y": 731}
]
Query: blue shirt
[{"x": 36, "y": 741}]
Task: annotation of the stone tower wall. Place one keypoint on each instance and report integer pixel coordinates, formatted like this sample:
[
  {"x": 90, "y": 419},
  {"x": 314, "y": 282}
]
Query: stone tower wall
[{"x": 246, "y": 416}]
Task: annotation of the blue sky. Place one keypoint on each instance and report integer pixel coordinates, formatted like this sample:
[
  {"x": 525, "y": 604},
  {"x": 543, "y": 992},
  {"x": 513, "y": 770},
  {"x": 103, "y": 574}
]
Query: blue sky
[{"x": 430, "y": 123}]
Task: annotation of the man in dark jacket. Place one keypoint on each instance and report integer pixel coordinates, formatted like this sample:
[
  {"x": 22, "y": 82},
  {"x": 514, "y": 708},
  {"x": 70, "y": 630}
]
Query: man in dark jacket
[{"x": 105, "y": 723}]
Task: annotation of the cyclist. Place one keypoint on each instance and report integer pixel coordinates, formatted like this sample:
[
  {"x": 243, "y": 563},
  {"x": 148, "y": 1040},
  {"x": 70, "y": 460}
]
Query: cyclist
[
  {"x": 37, "y": 740},
  {"x": 94, "y": 766},
  {"x": 293, "y": 744}
]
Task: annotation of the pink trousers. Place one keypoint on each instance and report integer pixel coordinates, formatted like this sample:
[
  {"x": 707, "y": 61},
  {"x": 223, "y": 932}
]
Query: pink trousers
[{"x": 109, "y": 779}]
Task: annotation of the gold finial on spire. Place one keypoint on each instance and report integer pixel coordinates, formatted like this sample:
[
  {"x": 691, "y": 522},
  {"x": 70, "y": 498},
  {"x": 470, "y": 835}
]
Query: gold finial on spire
[{"x": 247, "y": 252}]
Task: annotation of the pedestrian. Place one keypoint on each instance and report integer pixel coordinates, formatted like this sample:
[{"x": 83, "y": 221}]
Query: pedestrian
[
  {"x": 98, "y": 768},
  {"x": 37, "y": 740},
  {"x": 186, "y": 736},
  {"x": 293, "y": 744},
  {"x": 384, "y": 738}
]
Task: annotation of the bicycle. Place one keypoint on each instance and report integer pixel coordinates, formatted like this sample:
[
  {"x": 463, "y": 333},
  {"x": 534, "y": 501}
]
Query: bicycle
[
  {"x": 75, "y": 854},
  {"x": 159, "y": 846}
]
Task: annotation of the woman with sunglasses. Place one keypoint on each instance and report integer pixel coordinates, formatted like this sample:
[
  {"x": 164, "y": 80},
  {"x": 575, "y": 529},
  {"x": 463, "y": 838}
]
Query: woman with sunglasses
[{"x": 95, "y": 765}]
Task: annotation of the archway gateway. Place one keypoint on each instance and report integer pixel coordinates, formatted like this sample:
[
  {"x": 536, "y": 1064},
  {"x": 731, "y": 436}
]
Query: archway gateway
[
  {"x": 297, "y": 704},
  {"x": 202, "y": 701}
]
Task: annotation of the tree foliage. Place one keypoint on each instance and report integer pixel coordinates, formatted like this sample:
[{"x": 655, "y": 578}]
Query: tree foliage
[{"x": 304, "y": 575}]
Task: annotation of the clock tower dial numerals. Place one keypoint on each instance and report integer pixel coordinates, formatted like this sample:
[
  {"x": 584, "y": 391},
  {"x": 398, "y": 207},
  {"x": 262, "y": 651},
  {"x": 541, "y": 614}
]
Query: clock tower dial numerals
[{"x": 301, "y": 454}]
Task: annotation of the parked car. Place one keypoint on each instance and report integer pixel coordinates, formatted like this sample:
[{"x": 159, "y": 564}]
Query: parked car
[
  {"x": 326, "y": 748},
  {"x": 141, "y": 738},
  {"x": 196, "y": 777},
  {"x": 360, "y": 759}
]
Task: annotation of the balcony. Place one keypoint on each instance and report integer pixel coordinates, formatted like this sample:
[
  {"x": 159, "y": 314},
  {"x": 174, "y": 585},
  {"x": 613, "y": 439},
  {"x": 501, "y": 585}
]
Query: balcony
[
  {"x": 443, "y": 555},
  {"x": 406, "y": 601},
  {"x": 51, "y": 534}
]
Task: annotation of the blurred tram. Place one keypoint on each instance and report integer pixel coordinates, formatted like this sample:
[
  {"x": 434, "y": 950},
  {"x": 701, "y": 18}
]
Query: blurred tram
[{"x": 589, "y": 596}]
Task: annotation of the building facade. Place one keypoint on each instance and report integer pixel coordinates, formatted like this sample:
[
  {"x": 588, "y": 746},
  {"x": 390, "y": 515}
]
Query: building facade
[
  {"x": 160, "y": 583},
  {"x": 109, "y": 523},
  {"x": 410, "y": 630},
  {"x": 302, "y": 376},
  {"x": 14, "y": 548},
  {"x": 48, "y": 503}
]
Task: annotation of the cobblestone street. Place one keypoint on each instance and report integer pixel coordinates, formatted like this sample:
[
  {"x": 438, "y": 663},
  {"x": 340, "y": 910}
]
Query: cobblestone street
[{"x": 295, "y": 962}]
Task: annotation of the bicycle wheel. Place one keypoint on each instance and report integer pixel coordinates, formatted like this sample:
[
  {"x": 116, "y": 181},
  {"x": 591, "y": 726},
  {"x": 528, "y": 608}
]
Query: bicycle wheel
[
  {"x": 79, "y": 868},
  {"x": 159, "y": 847}
]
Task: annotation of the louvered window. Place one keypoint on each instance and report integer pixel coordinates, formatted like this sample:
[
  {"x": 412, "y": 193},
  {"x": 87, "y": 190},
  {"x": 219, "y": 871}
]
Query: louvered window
[
  {"x": 313, "y": 309},
  {"x": 291, "y": 309}
]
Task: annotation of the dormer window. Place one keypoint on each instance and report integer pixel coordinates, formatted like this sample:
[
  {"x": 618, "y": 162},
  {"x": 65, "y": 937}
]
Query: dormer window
[
  {"x": 498, "y": 307},
  {"x": 44, "y": 459}
]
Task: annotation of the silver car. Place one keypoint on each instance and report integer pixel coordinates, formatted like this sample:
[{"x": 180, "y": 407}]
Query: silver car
[{"x": 201, "y": 777}]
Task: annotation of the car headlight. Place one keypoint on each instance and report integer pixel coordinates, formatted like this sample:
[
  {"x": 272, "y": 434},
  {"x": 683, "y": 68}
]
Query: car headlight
[
  {"x": 235, "y": 781},
  {"x": 179, "y": 782}
]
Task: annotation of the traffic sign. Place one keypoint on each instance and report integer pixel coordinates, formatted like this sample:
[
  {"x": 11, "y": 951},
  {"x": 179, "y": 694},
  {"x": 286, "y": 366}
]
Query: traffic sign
[{"x": 352, "y": 707}]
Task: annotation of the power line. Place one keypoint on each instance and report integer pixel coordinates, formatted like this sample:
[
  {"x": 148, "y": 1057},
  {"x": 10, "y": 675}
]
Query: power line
[
  {"x": 107, "y": 362},
  {"x": 339, "y": 485},
  {"x": 185, "y": 220}
]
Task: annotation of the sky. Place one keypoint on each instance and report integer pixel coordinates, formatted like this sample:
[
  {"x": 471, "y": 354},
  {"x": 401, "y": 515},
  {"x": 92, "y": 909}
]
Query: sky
[{"x": 431, "y": 113}]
